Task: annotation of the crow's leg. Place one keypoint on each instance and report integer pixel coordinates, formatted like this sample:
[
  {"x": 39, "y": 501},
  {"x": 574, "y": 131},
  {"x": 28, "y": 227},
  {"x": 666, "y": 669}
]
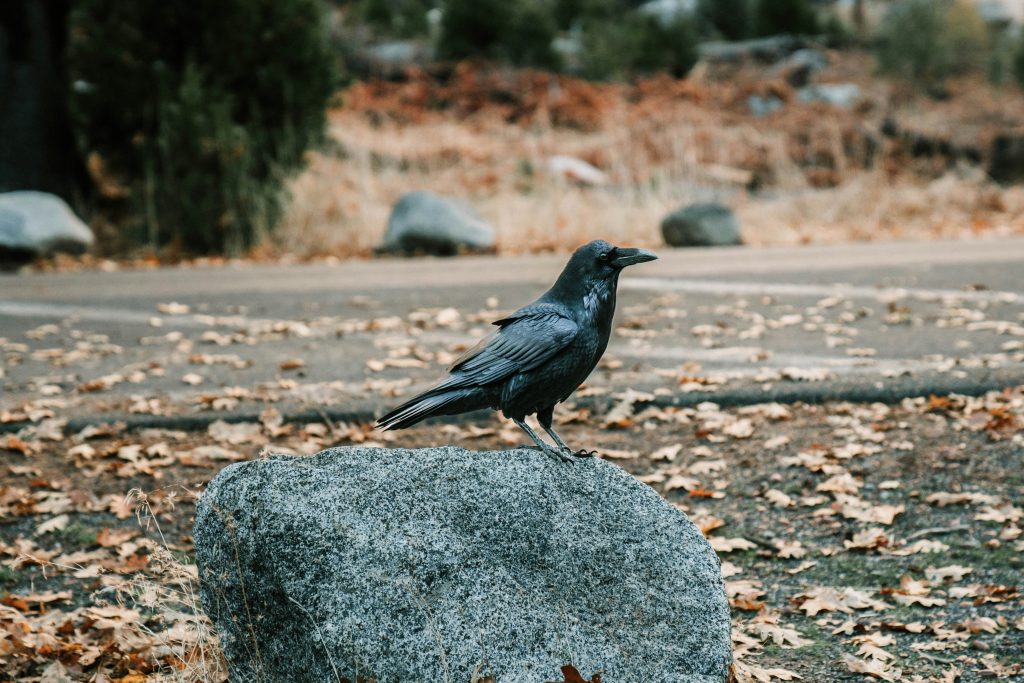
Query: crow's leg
[
  {"x": 544, "y": 418},
  {"x": 548, "y": 450}
]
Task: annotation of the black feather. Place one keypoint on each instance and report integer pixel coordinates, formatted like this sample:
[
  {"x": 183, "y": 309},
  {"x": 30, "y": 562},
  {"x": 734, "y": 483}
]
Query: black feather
[{"x": 541, "y": 353}]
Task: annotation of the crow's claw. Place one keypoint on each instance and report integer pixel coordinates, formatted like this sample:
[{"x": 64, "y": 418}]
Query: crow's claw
[
  {"x": 584, "y": 453},
  {"x": 559, "y": 455}
]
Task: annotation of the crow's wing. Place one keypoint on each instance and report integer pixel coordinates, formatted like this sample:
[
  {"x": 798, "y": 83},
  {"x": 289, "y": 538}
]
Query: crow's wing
[{"x": 523, "y": 343}]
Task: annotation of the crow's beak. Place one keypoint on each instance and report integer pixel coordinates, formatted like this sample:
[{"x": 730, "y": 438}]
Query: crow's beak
[{"x": 629, "y": 257}]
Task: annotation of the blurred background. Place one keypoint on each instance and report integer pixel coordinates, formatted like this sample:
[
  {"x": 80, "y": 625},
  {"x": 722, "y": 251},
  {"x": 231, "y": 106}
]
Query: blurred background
[{"x": 146, "y": 133}]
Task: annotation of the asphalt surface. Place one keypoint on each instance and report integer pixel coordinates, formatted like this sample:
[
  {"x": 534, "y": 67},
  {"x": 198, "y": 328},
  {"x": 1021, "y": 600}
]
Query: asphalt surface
[{"x": 866, "y": 322}]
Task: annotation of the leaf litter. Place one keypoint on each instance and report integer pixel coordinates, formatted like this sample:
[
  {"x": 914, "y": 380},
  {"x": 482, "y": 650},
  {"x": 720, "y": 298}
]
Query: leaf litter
[{"x": 879, "y": 541}]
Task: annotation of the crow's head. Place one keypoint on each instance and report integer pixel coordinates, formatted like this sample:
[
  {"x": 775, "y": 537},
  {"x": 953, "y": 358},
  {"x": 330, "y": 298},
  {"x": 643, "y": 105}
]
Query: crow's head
[
  {"x": 597, "y": 265},
  {"x": 601, "y": 260}
]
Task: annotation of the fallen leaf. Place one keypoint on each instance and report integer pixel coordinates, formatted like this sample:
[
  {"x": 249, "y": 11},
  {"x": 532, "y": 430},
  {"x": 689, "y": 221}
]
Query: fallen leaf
[
  {"x": 173, "y": 308},
  {"x": 831, "y": 599},
  {"x": 951, "y": 572},
  {"x": 872, "y": 667},
  {"x": 192, "y": 379},
  {"x": 790, "y": 549},
  {"x": 942, "y": 499},
  {"x": 766, "y": 627},
  {"x": 840, "y": 483},
  {"x": 728, "y": 545},
  {"x": 236, "y": 433},
  {"x": 868, "y": 539},
  {"x": 53, "y": 524},
  {"x": 778, "y": 498}
]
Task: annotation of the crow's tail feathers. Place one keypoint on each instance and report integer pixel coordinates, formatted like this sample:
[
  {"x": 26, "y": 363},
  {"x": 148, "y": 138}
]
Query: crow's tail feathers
[{"x": 429, "y": 404}]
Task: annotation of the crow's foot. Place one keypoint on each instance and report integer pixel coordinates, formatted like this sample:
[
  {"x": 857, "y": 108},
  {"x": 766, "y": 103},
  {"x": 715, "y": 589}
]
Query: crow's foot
[
  {"x": 558, "y": 455},
  {"x": 584, "y": 453}
]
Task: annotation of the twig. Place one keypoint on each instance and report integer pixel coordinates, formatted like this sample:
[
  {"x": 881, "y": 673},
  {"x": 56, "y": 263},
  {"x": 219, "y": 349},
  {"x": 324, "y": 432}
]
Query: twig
[
  {"x": 323, "y": 642},
  {"x": 936, "y": 658},
  {"x": 336, "y": 432},
  {"x": 938, "y": 530}
]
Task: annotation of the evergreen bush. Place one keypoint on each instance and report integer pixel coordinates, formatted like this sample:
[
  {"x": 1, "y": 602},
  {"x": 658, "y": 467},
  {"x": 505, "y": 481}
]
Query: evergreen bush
[
  {"x": 520, "y": 33},
  {"x": 926, "y": 41},
  {"x": 199, "y": 110},
  {"x": 773, "y": 17}
]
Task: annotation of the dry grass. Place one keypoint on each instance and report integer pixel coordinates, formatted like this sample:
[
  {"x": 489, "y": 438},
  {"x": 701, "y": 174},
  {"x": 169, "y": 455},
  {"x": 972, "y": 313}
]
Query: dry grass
[
  {"x": 168, "y": 594},
  {"x": 662, "y": 144}
]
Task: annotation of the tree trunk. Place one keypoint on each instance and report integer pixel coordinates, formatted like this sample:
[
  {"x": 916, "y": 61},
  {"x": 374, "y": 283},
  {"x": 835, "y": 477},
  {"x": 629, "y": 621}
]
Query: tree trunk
[{"x": 36, "y": 144}]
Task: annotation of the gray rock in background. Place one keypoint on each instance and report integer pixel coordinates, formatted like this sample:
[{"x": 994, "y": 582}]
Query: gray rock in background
[
  {"x": 422, "y": 222},
  {"x": 443, "y": 564},
  {"x": 701, "y": 225},
  {"x": 667, "y": 12},
  {"x": 763, "y": 105},
  {"x": 40, "y": 224},
  {"x": 392, "y": 58},
  {"x": 799, "y": 67},
  {"x": 836, "y": 94},
  {"x": 768, "y": 49}
]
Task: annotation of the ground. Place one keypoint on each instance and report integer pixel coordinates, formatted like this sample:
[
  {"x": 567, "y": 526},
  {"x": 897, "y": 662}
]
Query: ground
[
  {"x": 854, "y": 538},
  {"x": 858, "y": 538}
]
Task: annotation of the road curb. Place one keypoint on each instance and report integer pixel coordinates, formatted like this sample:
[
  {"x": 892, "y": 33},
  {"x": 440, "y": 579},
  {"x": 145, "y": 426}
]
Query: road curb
[{"x": 871, "y": 391}]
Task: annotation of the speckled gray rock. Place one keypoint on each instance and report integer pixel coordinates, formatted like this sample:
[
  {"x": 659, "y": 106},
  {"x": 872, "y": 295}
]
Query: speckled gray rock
[
  {"x": 843, "y": 95},
  {"x": 38, "y": 224},
  {"x": 449, "y": 565},
  {"x": 422, "y": 222},
  {"x": 701, "y": 225}
]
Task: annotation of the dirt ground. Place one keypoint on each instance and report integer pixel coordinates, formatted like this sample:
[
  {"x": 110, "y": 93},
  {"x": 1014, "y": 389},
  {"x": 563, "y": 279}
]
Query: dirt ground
[
  {"x": 897, "y": 164},
  {"x": 856, "y": 540},
  {"x": 807, "y": 173}
]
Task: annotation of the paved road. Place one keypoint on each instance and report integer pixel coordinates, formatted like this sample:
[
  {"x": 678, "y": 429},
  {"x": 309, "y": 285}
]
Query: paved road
[{"x": 871, "y": 321}]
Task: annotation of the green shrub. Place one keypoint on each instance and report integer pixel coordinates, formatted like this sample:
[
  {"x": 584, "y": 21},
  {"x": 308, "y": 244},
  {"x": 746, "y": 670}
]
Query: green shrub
[
  {"x": 772, "y": 17},
  {"x": 728, "y": 19},
  {"x": 605, "y": 46},
  {"x": 520, "y": 33},
  {"x": 199, "y": 110},
  {"x": 637, "y": 44},
  {"x": 671, "y": 48},
  {"x": 927, "y": 40},
  {"x": 999, "y": 64},
  {"x": 566, "y": 12},
  {"x": 397, "y": 18},
  {"x": 967, "y": 36},
  {"x": 1018, "y": 61},
  {"x": 836, "y": 33}
]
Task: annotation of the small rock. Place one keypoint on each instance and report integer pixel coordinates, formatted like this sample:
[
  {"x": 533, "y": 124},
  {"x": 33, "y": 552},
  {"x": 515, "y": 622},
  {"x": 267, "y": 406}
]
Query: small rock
[
  {"x": 763, "y": 105},
  {"x": 424, "y": 223},
  {"x": 392, "y": 58},
  {"x": 667, "y": 12},
  {"x": 799, "y": 67},
  {"x": 837, "y": 94},
  {"x": 569, "y": 48},
  {"x": 576, "y": 170},
  {"x": 769, "y": 49},
  {"x": 444, "y": 564},
  {"x": 701, "y": 225},
  {"x": 39, "y": 224},
  {"x": 1001, "y": 14}
]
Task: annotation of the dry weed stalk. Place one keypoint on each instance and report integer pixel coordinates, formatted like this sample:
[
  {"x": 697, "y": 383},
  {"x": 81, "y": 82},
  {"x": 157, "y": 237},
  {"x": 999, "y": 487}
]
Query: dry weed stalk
[{"x": 168, "y": 593}]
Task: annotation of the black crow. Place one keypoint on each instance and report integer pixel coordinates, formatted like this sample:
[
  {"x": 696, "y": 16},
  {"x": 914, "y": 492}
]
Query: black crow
[{"x": 539, "y": 355}]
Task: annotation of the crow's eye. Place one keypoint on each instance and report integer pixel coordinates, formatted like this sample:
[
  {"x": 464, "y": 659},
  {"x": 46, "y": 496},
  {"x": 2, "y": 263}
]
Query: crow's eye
[{"x": 604, "y": 256}]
